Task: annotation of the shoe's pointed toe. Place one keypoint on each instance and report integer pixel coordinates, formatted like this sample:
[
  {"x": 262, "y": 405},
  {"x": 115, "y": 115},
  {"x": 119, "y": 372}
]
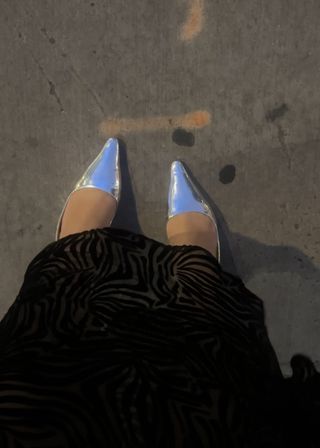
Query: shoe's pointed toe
[
  {"x": 104, "y": 171},
  {"x": 103, "y": 174},
  {"x": 185, "y": 197}
]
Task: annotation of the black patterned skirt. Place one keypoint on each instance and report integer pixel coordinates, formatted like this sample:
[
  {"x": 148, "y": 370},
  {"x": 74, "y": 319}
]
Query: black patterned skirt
[{"x": 118, "y": 340}]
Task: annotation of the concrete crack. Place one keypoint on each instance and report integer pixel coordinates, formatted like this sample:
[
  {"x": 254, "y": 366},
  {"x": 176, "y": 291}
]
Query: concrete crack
[
  {"x": 87, "y": 87},
  {"x": 52, "y": 86},
  {"x": 72, "y": 70},
  {"x": 285, "y": 148}
]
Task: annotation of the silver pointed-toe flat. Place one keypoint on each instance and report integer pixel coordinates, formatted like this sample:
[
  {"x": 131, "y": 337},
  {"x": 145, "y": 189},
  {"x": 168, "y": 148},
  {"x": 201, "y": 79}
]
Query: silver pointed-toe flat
[
  {"x": 103, "y": 173},
  {"x": 185, "y": 197}
]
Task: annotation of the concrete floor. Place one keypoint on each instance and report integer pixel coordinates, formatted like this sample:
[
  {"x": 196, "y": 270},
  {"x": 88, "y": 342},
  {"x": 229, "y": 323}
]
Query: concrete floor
[{"x": 255, "y": 67}]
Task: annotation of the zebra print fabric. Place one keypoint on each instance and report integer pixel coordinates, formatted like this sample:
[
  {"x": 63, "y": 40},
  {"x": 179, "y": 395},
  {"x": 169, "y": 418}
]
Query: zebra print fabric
[{"x": 118, "y": 340}]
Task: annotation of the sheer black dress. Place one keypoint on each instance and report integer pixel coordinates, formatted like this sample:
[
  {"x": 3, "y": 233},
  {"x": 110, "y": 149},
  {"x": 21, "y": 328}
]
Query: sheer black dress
[{"x": 118, "y": 340}]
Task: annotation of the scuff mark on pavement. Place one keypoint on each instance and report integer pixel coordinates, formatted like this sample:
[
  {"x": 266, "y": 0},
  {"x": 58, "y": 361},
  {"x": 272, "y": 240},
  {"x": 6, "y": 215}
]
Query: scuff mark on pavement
[
  {"x": 192, "y": 120},
  {"x": 194, "y": 22}
]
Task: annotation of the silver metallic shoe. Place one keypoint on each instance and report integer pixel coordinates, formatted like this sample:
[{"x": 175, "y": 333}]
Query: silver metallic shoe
[
  {"x": 103, "y": 173},
  {"x": 185, "y": 197}
]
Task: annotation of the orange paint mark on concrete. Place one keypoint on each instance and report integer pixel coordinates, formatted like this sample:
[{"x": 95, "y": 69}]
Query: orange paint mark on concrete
[
  {"x": 194, "y": 120},
  {"x": 194, "y": 23}
]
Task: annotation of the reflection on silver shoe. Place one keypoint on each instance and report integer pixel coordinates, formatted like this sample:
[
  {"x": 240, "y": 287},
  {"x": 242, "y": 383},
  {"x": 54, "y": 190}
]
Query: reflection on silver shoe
[
  {"x": 103, "y": 173},
  {"x": 185, "y": 197}
]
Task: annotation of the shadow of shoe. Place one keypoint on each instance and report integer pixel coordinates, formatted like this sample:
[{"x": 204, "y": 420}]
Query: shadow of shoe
[{"x": 126, "y": 216}]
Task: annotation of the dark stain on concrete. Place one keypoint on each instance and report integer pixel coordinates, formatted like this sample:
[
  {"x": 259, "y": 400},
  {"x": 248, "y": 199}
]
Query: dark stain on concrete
[
  {"x": 50, "y": 39},
  {"x": 21, "y": 231},
  {"x": 32, "y": 142},
  {"x": 182, "y": 137},
  {"x": 278, "y": 112},
  {"x": 227, "y": 174}
]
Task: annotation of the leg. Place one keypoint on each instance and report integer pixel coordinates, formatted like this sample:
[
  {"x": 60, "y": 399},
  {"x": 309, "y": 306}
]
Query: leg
[
  {"x": 88, "y": 208},
  {"x": 192, "y": 228}
]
